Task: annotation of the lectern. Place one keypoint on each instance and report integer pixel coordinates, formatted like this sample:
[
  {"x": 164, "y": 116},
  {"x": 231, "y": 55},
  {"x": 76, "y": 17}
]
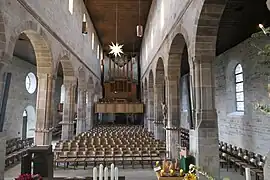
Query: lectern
[{"x": 42, "y": 159}]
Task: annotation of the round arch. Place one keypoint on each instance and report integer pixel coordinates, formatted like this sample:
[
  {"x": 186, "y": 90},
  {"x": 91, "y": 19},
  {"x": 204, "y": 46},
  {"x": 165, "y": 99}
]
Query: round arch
[
  {"x": 30, "y": 125},
  {"x": 39, "y": 42},
  {"x": 177, "y": 48},
  {"x": 207, "y": 29}
]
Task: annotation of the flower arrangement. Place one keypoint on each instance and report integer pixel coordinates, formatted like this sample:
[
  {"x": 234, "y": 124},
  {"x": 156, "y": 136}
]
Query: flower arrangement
[
  {"x": 171, "y": 171},
  {"x": 29, "y": 177},
  {"x": 263, "y": 108}
]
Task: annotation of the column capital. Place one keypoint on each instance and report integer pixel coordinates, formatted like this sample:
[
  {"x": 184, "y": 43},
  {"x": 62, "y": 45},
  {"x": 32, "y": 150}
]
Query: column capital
[
  {"x": 158, "y": 122},
  {"x": 206, "y": 118},
  {"x": 40, "y": 130}
]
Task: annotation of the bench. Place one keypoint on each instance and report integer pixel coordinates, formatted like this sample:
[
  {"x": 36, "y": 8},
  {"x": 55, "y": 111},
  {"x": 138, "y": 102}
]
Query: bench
[{"x": 15, "y": 149}]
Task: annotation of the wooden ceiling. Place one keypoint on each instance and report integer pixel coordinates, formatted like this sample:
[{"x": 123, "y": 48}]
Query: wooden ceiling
[{"x": 103, "y": 15}]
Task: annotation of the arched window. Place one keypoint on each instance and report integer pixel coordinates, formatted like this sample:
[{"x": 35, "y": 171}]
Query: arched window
[
  {"x": 62, "y": 95},
  {"x": 239, "y": 88},
  {"x": 152, "y": 38},
  {"x": 98, "y": 52},
  {"x": 162, "y": 15},
  {"x": 70, "y": 6},
  {"x": 93, "y": 41}
]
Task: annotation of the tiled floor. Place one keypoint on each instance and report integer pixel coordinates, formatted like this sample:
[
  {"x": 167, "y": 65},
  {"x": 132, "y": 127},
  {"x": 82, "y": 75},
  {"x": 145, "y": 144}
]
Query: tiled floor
[{"x": 130, "y": 174}]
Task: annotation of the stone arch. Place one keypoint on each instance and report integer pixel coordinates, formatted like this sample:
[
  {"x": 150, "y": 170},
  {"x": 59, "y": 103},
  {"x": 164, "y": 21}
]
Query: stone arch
[
  {"x": 177, "y": 65},
  {"x": 45, "y": 76},
  {"x": 68, "y": 71},
  {"x": 151, "y": 101},
  {"x": 204, "y": 55},
  {"x": 159, "y": 98},
  {"x": 207, "y": 29},
  {"x": 40, "y": 45}
]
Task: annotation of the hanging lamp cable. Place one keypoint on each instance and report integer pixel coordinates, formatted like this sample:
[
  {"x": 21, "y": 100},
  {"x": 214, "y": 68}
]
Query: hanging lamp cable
[
  {"x": 116, "y": 19},
  {"x": 139, "y": 12}
]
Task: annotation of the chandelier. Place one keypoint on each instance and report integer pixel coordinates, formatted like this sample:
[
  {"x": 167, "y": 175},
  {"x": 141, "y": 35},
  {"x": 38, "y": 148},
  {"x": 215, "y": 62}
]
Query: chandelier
[{"x": 116, "y": 48}]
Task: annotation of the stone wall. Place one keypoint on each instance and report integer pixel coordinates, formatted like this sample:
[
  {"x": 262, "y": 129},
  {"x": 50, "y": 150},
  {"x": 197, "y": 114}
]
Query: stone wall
[
  {"x": 248, "y": 129},
  {"x": 61, "y": 29},
  {"x": 162, "y": 17},
  {"x": 18, "y": 97}
]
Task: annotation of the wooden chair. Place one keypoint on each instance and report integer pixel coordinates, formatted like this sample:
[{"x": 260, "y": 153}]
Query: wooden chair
[
  {"x": 71, "y": 158},
  {"x": 90, "y": 158},
  {"x": 81, "y": 158},
  {"x": 61, "y": 157}
]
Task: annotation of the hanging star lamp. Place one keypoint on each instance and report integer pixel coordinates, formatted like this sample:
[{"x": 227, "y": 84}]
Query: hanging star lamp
[
  {"x": 116, "y": 48},
  {"x": 139, "y": 27}
]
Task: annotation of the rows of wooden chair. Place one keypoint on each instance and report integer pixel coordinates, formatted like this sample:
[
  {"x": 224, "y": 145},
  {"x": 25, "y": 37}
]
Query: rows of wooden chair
[
  {"x": 15, "y": 149},
  {"x": 235, "y": 157},
  {"x": 114, "y": 144}
]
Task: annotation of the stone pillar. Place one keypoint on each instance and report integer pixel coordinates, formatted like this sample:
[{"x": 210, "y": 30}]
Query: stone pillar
[
  {"x": 2, "y": 153},
  {"x": 81, "y": 121},
  {"x": 204, "y": 139},
  {"x": 68, "y": 111},
  {"x": 43, "y": 132},
  {"x": 145, "y": 108},
  {"x": 150, "y": 111},
  {"x": 89, "y": 111},
  {"x": 172, "y": 135},
  {"x": 159, "y": 131}
]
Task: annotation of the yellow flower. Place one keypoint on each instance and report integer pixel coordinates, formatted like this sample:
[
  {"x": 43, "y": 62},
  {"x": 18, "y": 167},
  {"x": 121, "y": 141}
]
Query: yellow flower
[{"x": 190, "y": 176}]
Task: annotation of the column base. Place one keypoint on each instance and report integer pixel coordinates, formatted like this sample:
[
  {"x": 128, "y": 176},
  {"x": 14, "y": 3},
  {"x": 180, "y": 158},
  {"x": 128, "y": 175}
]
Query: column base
[
  {"x": 43, "y": 137},
  {"x": 204, "y": 147},
  {"x": 67, "y": 130},
  {"x": 159, "y": 131}
]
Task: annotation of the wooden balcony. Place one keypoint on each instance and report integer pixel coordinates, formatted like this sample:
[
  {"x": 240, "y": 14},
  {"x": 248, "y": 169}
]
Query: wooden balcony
[{"x": 108, "y": 107}]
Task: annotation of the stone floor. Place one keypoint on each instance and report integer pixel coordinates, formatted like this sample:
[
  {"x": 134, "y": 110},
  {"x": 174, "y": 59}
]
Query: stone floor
[{"x": 130, "y": 174}]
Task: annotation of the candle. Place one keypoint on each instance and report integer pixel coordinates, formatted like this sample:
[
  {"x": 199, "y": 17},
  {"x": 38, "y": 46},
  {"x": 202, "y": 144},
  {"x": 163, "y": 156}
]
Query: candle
[
  {"x": 94, "y": 173},
  {"x": 112, "y": 171},
  {"x": 100, "y": 172},
  {"x": 106, "y": 173},
  {"x": 248, "y": 175}
]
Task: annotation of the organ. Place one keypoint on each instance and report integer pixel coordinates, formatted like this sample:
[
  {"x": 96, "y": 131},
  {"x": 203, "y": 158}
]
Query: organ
[{"x": 120, "y": 81}]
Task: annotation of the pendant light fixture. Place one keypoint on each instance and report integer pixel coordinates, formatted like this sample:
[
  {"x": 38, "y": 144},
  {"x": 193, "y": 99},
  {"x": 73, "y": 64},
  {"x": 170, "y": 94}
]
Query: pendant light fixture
[
  {"x": 139, "y": 27},
  {"x": 84, "y": 25},
  {"x": 116, "y": 49}
]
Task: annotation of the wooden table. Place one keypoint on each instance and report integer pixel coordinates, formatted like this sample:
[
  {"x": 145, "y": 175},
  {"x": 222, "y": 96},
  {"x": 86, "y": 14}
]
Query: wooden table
[{"x": 168, "y": 178}]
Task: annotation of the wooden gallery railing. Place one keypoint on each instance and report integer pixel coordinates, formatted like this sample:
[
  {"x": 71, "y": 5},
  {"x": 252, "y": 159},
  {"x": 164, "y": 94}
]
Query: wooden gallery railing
[{"x": 108, "y": 107}]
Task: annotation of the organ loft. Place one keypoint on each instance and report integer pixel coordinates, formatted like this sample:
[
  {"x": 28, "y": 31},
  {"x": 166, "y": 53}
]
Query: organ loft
[{"x": 121, "y": 91}]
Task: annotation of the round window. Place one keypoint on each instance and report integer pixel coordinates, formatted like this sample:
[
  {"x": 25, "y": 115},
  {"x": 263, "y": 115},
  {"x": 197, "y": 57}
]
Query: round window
[{"x": 31, "y": 82}]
